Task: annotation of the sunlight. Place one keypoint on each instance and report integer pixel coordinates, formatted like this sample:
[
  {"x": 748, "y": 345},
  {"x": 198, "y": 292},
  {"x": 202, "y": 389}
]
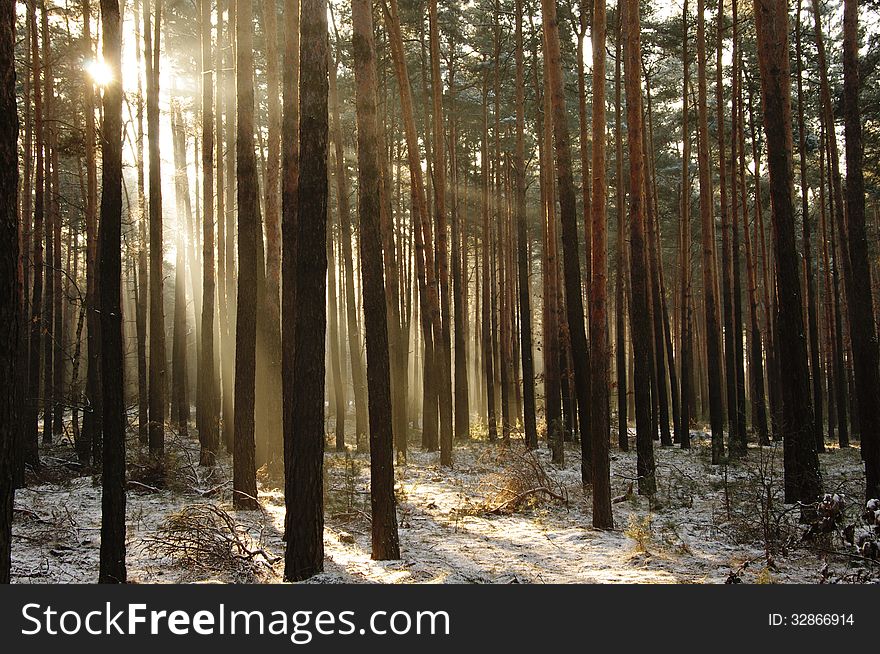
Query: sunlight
[{"x": 99, "y": 72}]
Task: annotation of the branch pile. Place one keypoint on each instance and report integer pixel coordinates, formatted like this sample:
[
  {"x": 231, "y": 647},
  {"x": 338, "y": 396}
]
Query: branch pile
[
  {"x": 522, "y": 483},
  {"x": 206, "y": 536}
]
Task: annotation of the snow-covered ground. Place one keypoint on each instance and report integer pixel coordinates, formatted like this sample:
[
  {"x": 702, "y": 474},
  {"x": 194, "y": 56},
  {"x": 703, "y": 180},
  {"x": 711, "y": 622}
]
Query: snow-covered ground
[{"x": 704, "y": 523}]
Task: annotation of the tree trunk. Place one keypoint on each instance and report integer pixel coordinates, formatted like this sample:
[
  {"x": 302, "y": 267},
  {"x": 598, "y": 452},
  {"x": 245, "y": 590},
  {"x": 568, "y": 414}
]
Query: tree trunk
[
  {"x": 11, "y": 306},
  {"x": 802, "y": 481},
  {"x": 142, "y": 265},
  {"x": 385, "y": 543},
  {"x": 684, "y": 421},
  {"x": 353, "y": 331},
  {"x": 335, "y": 364},
  {"x": 712, "y": 328},
  {"x": 51, "y": 217},
  {"x": 179, "y": 373},
  {"x": 32, "y": 457},
  {"x": 270, "y": 325},
  {"x": 639, "y": 315},
  {"x": 485, "y": 310},
  {"x": 736, "y": 283},
  {"x": 244, "y": 479},
  {"x": 859, "y": 298},
  {"x": 525, "y": 308},
  {"x": 112, "y": 557},
  {"x": 812, "y": 318},
  {"x": 207, "y": 411},
  {"x": 620, "y": 254},
  {"x": 600, "y": 428},
  {"x": 157, "y": 310},
  {"x": 439, "y": 145},
  {"x": 568, "y": 218},
  {"x": 304, "y": 233}
]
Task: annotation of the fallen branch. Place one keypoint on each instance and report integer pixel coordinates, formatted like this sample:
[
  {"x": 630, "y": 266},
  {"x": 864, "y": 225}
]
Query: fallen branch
[
  {"x": 136, "y": 485},
  {"x": 521, "y": 496}
]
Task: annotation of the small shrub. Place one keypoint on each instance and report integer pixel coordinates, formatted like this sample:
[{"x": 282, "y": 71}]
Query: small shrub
[{"x": 641, "y": 531}]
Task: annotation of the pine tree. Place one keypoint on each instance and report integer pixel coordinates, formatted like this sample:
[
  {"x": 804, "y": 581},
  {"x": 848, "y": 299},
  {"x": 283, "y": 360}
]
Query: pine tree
[
  {"x": 112, "y": 559},
  {"x": 11, "y": 306},
  {"x": 304, "y": 234}
]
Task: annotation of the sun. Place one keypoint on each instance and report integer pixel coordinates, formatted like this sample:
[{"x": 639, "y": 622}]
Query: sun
[{"x": 99, "y": 72}]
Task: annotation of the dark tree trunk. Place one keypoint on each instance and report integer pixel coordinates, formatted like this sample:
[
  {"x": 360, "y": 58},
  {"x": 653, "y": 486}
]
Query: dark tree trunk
[
  {"x": 600, "y": 428},
  {"x": 802, "y": 481},
  {"x": 51, "y": 217},
  {"x": 712, "y": 329},
  {"x": 11, "y": 306},
  {"x": 112, "y": 559},
  {"x": 812, "y": 311},
  {"x": 439, "y": 145},
  {"x": 335, "y": 363},
  {"x": 207, "y": 413},
  {"x": 859, "y": 298},
  {"x": 304, "y": 234},
  {"x": 353, "y": 331},
  {"x": 568, "y": 217},
  {"x": 740, "y": 394},
  {"x": 180, "y": 412},
  {"x": 157, "y": 377},
  {"x": 486, "y": 310},
  {"x": 525, "y": 308},
  {"x": 32, "y": 457},
  {"x": 640, "y": 314},
  {"x": 620, "y": 254},
  {"x": 684, "y": 421},
  {"x": 244, "y": 479},
  {"x": 142, "y": 265},
  {"x": 384, "y": 519}
]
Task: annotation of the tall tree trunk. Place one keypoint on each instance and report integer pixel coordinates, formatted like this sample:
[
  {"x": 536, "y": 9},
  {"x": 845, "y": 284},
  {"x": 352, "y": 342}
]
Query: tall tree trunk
[
  {"x": 385, "y": 542},
  {"x": 859, "y": 298},
  {"x": 271, "y": 323},
  {"x": 769, "y": 322},
  {"x": 707, "y": 222},
  {"x": 207, "y": 413},
  {"x": 353, "y": 331},
  {"x": 812, "y": 311},
  {"x": 51, "y": 216},
  {"x": 620, "y": 254},
  {"x": 442, "y": 243},
  {"x": 112, "y": 557},
  {"x": 335, "y": 364},
  {"x": 837, "y": 212},
  {"x": 142, "y": 265},
  {"x": 304, "y": 233},
  {"x": 485, "y": 310},
  {"x": 11, "y": 306},
  {"x": 639, "y": 314},
  {"x": 244, "y": 480},
  {"x": 461, "y": 409},
  {"x": 684, "y": 421},
  {"x": 802, "y": 481},
  {"x": 730, "y": 381},
  {"x": 525, "y": 308},
  {"x": 432, "y": 292},
  {"x": 736, "y": 283},
  {"x": 756, "y": 361},
  {"x": 600, "y": 428},
  {"x": 32, "y": 457},
  {"x": 157, "y": 310},
  {"x": 573, "y": 298},
  {"x": 179, "y": 373}
]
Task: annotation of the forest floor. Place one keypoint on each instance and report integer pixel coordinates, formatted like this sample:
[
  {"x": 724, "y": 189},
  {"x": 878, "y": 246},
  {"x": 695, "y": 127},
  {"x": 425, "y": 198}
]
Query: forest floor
[{"x": 481, "y": 522}]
